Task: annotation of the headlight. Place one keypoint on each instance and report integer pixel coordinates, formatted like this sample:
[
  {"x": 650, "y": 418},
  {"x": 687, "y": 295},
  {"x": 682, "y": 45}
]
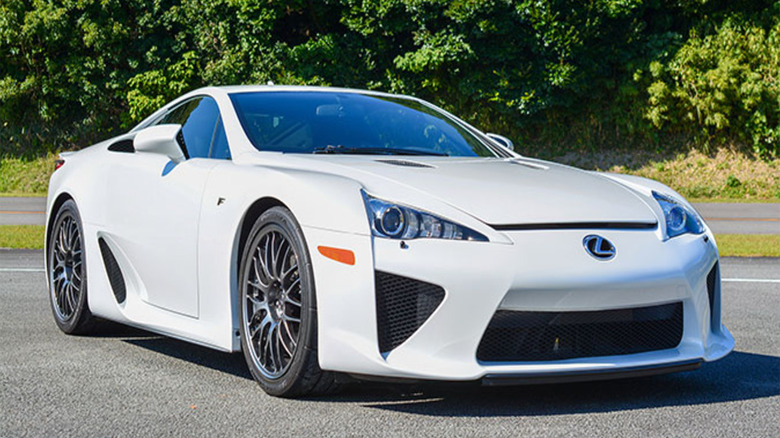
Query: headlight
[
  {"x": 395, "y": 221},
  {"x": 679, "y": 218}
]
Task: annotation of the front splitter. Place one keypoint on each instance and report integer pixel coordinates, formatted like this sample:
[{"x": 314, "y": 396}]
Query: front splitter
[{"x": 589, "y": 376}]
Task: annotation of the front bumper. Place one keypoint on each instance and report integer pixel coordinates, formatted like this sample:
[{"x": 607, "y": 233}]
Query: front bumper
[{"x": 539, "y": 271}]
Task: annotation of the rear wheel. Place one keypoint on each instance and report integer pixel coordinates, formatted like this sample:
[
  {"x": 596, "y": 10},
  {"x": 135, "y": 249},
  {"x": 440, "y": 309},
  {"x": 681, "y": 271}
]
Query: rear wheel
[
  {"x": 278, "y": 309},
  {"x": 67, "y": 272}
]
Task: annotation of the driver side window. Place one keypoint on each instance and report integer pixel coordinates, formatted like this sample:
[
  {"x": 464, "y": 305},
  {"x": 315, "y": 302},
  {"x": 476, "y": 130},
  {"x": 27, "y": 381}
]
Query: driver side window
[{"x": 202, "y": 134}]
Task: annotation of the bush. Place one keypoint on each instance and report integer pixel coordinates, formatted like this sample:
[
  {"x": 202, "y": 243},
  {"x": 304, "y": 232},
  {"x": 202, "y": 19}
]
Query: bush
[
  {"x": 555, "y": 76},
  {"x": 66, "y": 66},
  {"x": 722, "y": 87}
]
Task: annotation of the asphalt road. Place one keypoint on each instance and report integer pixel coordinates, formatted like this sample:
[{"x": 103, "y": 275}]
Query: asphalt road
[
  {"x": 722, "y": 218},
  {"x": 22, "y": 211},
  {"x": 725, "y": 218},
  {"x": 131, "y": 383}
]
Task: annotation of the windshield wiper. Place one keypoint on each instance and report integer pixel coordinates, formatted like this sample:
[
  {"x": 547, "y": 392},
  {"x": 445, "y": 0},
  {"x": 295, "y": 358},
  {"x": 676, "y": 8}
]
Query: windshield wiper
[{"x": 340, "y": 149}]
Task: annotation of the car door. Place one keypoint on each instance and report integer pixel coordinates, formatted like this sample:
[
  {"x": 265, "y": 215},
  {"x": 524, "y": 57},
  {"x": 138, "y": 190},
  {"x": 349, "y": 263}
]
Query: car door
[{"x": 155, "y": 207}]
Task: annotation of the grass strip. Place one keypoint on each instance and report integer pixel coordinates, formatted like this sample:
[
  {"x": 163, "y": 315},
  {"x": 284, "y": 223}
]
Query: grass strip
[
  {"x": 21, "y": 236},
  {"x": 748, "y": 245},
  {"x": 731, "y": 200},
  {"x": 23, "y": 195},
  {"x": 730, "y": 245},
  {"x": 26, "y": 176}
]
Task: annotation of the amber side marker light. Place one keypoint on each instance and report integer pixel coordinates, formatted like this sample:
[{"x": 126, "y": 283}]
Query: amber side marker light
[{"x": 340, "y": 255}]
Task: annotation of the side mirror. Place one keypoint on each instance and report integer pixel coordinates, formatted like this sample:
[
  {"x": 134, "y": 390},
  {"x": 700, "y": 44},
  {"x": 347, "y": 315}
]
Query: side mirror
[
  {"x": 501, "y": 141},
  {"x": 160, "y": 139}
]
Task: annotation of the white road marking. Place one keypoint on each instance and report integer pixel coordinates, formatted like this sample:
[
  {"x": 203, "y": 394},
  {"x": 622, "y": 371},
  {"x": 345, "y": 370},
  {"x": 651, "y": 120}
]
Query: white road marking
[{"x": 751, "y": 280}]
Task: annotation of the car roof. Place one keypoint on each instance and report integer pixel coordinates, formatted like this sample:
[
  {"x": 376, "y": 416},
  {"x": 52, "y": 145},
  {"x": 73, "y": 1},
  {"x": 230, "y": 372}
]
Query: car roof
[
  {"x": 234, "y": 89},
  {"x": 227, "y": 90}
]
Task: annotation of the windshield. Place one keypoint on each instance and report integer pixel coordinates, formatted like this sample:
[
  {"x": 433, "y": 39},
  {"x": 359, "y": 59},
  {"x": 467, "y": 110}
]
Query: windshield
[{"x": 351, "y": 123}]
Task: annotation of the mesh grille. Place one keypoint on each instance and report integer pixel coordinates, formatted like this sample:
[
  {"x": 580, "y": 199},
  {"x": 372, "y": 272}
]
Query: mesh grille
[
  {"x": 115, "y": 277},
  {"x": 122, "y": 146},
  {"x": 402, "y": 306},
  {"x": 543, "y": 336},
  {"x": 712, "y": 278}
]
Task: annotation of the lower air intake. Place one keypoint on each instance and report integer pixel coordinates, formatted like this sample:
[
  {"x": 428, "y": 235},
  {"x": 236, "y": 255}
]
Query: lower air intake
[
  {"x": 402, "y": 306},
  {"x": 115, "y": 277},
  {"x": 544, "y": 336}
]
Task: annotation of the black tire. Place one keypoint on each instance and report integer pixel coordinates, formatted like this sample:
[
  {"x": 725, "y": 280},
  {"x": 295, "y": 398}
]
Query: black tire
[
  {"x": 66, "y": 263},
  {"x": 276, "y": 289}
]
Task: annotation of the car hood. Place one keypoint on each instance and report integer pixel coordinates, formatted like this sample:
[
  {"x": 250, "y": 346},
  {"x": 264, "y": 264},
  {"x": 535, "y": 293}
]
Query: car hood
[{"x": 494, "y": 190}]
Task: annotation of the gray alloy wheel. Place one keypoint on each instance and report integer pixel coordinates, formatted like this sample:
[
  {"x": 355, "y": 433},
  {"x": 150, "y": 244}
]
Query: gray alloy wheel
[
  {"x": 273, "y": 300},
  {"x": 67, "y": 272},
  {"x": 278, "y": 310}
]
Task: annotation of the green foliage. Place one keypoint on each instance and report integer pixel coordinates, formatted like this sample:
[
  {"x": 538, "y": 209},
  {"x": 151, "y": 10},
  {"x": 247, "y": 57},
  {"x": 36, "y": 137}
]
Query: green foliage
[
  {"x": 152, "y": 89},
  {"x": 66, "y": 66},
  {"x": 554, "y": 75},
  {"x": 733, "y": 182},
  {"x": 721, "y": 87}
]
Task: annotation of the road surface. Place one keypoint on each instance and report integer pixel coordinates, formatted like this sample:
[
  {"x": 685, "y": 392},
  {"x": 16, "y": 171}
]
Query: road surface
[{"x": 128, "y": 382}]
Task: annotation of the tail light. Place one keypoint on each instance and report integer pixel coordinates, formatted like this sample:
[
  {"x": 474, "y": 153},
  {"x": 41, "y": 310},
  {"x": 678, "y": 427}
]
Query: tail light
[{"x": 59, "y": 163}]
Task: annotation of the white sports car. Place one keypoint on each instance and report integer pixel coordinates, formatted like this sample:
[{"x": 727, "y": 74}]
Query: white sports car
[{"x": 328, "y": 232}]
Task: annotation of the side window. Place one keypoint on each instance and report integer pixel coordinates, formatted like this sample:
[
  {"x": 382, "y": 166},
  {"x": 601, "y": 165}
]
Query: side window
[
  {"x": 198, "y": 119},
  {"x": 219, "y": 145},
  {"x": 180, "y": 113}
]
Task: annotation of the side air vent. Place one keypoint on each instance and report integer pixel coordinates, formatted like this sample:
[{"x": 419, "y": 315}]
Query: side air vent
[
  {"x": 712, "y": 284},
  {"x": 114, "y": 273},
  {"x": 405, "y": 163},
  {"x": 402, "y": 306},
  {"x": 122, "y": 146}
]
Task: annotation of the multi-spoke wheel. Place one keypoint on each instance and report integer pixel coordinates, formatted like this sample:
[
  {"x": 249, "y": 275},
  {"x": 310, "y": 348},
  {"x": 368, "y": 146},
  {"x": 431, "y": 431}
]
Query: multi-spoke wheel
[
  {"x": 67, "y": 272},
  {"x": 278, "y": 313},
  {"x": 273, "y": 302}
]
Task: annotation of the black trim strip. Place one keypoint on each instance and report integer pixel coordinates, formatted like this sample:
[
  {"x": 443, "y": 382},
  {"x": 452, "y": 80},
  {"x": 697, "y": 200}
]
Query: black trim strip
[
  {"x": 589, "y": 376},
  {"x": 578, "y": 226}
]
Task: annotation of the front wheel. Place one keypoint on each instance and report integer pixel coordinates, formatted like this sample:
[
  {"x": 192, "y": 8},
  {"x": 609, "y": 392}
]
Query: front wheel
[{"x": 278, "y": 309}]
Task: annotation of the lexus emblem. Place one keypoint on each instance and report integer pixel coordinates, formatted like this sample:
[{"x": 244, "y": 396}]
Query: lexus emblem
[{"x": 598, "y": 247}]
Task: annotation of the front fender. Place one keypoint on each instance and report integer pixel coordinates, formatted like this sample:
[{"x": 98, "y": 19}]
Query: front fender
[
  {"x": 646, "y": 186},
  {"x": 318, "y": 201}
]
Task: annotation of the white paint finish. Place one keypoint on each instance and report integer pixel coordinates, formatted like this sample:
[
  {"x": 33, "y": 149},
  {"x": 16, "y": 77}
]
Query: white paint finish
[
  {"x": 178, "y": 248},
  {"x": 514, "y": 189},
  {"x": 154, "y": 218},
  {"x": 541, "y": 272},
  {"x": 160, "y": 139},
  {"x": 346, "y": 310}
]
